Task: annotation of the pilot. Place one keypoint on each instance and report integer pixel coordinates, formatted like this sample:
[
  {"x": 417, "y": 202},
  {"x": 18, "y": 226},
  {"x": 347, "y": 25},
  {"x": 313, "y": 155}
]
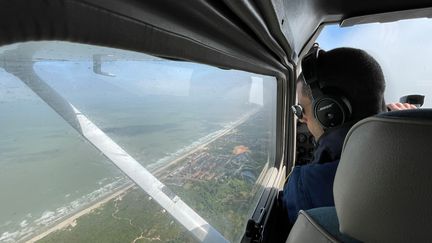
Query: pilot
[{"x": 337, "y": 88}]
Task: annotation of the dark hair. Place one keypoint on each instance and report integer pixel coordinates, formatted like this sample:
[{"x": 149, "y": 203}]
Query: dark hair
[{"x": 354, "y": 74}]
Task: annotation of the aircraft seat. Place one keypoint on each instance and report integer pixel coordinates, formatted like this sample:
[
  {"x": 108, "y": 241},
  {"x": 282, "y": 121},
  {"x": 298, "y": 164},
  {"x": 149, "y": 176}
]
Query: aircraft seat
[{"x": 383, "y": 184}]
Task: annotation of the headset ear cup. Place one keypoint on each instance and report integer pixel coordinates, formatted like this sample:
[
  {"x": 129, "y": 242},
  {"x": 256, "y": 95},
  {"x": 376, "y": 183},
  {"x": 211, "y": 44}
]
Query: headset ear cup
[
  {"x": 331, "y": 111},
  {"x": 347, "y": 106}
]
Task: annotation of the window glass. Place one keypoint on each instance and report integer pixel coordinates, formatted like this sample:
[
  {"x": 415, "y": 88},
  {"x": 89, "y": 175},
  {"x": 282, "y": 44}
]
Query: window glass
[
  {"x": 207, "y": 134},
  {"x": 402, "y": 48}
]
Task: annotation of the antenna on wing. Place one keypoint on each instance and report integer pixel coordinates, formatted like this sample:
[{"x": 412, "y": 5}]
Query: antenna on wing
[{"x": 97, "y": 65}]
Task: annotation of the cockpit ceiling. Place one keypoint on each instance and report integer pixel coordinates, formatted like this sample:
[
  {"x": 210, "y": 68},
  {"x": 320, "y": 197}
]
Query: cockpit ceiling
[{"x": 220, "y": 33}]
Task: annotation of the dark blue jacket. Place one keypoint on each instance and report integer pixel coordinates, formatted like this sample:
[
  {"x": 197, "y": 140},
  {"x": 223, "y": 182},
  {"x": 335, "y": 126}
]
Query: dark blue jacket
[{"x": 311, "y": 185}]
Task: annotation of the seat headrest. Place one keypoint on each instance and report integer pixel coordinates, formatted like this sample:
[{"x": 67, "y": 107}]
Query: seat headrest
[
  {"x": 417, "y": 114},
  {"x": 383, "y": 184}
]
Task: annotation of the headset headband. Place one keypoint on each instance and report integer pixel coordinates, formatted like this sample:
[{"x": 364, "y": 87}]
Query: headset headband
[{"x": 310, "y": 70}]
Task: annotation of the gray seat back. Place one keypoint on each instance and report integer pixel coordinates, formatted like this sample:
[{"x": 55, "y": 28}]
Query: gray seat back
[
  {"x": 307, "y": 229},
  {"x": 383, "y": 185}
]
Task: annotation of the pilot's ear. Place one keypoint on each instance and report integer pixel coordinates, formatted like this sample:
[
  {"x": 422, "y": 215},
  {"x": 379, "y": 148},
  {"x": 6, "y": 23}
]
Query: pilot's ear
[{"x": 303, "y": 119}]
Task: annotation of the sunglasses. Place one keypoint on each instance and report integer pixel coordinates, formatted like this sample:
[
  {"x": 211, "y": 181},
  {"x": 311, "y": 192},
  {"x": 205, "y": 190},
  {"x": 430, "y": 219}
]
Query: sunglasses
[{"x": 298, "y": 111}]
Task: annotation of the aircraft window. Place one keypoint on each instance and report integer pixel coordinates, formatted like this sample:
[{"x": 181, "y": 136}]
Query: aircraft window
[
  {"x": 403, "y": 49},
  {"x": 206, "y": 135}
]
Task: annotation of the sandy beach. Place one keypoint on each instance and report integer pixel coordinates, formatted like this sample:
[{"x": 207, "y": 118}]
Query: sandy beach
[
  {"x": 72, "y": 219},
  {"x": 223, "y": 133}
]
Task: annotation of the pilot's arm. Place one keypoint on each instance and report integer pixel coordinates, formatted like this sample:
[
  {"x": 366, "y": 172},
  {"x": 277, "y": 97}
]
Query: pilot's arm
[{"x": 309, "y": 186}]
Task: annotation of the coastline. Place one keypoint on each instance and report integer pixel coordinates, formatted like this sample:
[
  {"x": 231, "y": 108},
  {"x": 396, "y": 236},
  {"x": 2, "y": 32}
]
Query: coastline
[
  {"x": 201, "y": 146},
  {"x": 71, "y": 219},
  {"x": 158, "y": 171}
]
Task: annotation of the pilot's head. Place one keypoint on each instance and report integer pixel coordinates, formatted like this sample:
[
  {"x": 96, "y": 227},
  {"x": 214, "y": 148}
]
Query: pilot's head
[{"x": 349, "y": 75}]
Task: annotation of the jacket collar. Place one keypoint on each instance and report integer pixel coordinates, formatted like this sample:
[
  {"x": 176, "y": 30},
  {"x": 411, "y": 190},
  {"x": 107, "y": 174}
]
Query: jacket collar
[{"x": 329, "y": 145}]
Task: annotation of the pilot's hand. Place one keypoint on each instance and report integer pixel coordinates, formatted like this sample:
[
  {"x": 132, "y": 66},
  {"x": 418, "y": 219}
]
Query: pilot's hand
[{"x": 400, "y": 106}]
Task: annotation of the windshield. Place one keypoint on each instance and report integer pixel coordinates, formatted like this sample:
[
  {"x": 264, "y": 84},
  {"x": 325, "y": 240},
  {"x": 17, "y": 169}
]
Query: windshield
[
  {"x": 75, "y": 118},
  {"x": 403, "y": 49}
]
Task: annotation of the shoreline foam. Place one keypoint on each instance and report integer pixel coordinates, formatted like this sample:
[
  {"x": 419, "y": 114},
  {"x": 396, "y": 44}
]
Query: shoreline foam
[
  {"x": 31, "y": 225},
  {"x": 72, "y": 219}
]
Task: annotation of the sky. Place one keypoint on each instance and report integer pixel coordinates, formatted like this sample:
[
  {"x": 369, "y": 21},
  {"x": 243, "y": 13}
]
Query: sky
[{"x": 403, "y": 49}]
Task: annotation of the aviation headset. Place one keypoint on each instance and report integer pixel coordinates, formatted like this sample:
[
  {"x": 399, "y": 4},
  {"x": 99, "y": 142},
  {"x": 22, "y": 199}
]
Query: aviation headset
[{"x": 330, "y": 110}]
